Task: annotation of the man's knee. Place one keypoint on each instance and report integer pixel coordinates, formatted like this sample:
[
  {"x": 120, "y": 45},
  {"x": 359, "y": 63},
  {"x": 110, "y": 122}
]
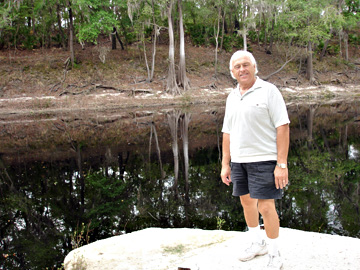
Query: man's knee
[
  {"x": 247, "y": 201},
  {"x": 266, "y": 207}
]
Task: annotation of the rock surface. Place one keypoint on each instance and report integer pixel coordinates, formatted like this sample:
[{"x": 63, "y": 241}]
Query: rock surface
[{"x": 165, "y": 249}]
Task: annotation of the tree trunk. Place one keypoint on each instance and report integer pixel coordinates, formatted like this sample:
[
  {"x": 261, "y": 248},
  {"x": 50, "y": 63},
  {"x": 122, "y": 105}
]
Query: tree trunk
[
  {"x": 62, "y": 35},
  {"x": 183, "y": 80},
  {"x": 71, "y": 34},
  {"x": 323, "y": 51},
  {"x": 346, "y": 45},
  {"x": 113, "y": 40},
  {"x": 244, "y": 38},
  {"x": 216, "y": 33},
  {"x": 145, "y": 56},
  {"x": 223, "y": 30},
  {"x": 309, "y": 69},
  {"x": 265, "y": 32},
  {"x": 171, "y": 86},
  {"x": 118, "y": 38},
  {"x": 340, "y": 45},
  {"x": 154, "y": 42},
  {"x": 271, "y": 36},
  {"x": 244, "y": 30}
]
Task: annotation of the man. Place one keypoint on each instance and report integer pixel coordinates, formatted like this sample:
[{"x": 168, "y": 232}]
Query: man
[{"x": 256, "y": 142}]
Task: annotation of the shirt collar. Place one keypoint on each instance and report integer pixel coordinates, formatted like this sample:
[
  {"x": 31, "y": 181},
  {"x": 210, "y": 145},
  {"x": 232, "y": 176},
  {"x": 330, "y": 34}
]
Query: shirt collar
[{"x": 256, "y": 85}]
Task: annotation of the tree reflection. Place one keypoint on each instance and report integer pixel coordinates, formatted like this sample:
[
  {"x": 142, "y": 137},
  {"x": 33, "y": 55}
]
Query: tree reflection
[
  {"x": 173, "y": 121},
  {"x": 320, "y": 168}
]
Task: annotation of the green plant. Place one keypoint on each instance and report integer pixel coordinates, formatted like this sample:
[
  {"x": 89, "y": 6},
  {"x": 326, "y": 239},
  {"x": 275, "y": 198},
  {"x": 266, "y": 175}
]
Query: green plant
[
  {"x": 220, "y": 223},
  {"x": 179, "y": 249},
  {"x": 79, "y": 237}
]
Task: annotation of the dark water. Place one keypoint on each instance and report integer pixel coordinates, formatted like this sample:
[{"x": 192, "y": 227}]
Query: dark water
[{"x": 67, "y": 179}]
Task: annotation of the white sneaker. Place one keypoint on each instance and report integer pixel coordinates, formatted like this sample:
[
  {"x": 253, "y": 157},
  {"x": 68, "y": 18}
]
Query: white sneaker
[
  {"x": 275, "y": 262},
  {"x": 256, "y": 249}
]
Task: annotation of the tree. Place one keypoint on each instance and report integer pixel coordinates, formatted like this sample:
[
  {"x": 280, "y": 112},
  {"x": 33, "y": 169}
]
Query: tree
[
  {"x": 307, "y": 23},
  {"x": 216, "y": 34},
  {"x": 171, "y": 84},
  {"x": 183, "y": 80},
  {"x": 145, "y": 16},
  {"x": 96, "y": 18},
  {"x": 71, "y": 32},
  {"x": 246, "y": 19},
  {"x": 350, "y": 10}
]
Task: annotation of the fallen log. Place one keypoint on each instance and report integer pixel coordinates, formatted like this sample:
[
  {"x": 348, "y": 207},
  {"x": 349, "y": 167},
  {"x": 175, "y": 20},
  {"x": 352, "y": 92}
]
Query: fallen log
[{"x": 98, "y": 86}]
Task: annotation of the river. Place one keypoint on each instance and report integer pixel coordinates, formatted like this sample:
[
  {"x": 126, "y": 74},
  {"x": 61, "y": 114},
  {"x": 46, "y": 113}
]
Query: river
[{"x": 68, "y": 179}]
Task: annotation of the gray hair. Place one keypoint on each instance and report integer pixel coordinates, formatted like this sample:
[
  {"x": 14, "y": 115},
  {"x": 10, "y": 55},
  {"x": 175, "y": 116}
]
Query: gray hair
[{"x": 237, "y": 55}]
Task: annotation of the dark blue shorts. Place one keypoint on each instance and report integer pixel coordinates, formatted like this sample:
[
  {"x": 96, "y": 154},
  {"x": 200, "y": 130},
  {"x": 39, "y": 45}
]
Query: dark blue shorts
[{"x": 256, "y": 178}]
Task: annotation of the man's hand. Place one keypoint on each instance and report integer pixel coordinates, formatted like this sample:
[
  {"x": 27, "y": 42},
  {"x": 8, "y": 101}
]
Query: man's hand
[
  {"x": 225, "y": 174},
  {"x": 281, "y": 177}
]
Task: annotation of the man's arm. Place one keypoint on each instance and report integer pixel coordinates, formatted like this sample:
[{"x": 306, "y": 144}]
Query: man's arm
[
  {"x": 282, "y": 142},
  {"x": 225, "y": 164}
]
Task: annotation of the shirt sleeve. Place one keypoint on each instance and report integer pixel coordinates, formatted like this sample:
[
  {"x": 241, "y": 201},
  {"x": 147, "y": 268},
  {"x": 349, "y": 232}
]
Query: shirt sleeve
[
  {"x": 277, "y": 108},
  {"x": 226, "y": 123}
]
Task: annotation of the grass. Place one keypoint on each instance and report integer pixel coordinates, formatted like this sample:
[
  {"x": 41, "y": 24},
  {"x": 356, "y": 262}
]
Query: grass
[{"x": 175, "y": 250}]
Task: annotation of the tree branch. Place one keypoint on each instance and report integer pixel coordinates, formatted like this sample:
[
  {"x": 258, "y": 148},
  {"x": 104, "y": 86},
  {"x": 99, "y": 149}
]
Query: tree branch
[{"x": 282, "y": 67}]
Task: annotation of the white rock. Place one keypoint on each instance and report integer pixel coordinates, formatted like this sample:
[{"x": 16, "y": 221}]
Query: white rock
[{"x": 165, "y": 249}]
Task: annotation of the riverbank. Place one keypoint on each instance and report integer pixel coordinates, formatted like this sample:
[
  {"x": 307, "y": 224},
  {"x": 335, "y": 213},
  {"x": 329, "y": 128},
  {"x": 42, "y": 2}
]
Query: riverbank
[
  {"x": 35, "y": 82},
  {"x": 165, "y": 249},
  {"x": 26, "y": 105}
]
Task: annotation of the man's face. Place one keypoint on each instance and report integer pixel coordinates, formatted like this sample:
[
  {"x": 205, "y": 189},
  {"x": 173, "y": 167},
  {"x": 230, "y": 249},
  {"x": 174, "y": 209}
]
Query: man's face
[{"x": 244, "y": 71}]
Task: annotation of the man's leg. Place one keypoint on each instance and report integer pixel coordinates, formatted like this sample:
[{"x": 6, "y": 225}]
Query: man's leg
[
  {"x": 272, "y": 225},
  {"x": 251, "y": 213},
  {"x": 271, "y": 219}
]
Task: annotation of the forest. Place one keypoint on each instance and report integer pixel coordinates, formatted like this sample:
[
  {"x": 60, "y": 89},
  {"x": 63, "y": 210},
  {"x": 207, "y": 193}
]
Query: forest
[{"x": 305, "y": 29}]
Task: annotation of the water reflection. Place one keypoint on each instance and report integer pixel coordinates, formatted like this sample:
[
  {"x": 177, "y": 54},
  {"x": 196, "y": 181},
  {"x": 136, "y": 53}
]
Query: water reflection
[{"x": 73, "y": 180}]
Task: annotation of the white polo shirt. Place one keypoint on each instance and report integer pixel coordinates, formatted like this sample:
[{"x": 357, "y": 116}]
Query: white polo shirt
[{"x": 251, "y": 120}]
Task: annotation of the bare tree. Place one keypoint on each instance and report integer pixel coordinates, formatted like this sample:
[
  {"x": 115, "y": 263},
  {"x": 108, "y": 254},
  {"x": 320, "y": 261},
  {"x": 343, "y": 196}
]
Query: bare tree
[
  {"x": 310, "y": 68},
  {"x": 156, "y": 33},
  {"x": 171, "y": 85},
  {"x": 136, "y": 6},
  {"x": 183, "y": 80},
  {"x": 71, "y": 33},
  {"x": 216, "y": 32},
  {"x": 62, "y": 34}
]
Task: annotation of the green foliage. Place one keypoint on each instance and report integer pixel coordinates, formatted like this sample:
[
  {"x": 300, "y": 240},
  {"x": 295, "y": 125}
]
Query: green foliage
[
  {"x": 107, "y": 200},
  {"x": 197, "y": 33},
  {"x": 31, "y": 24},
  {"x": 219, "y": 223},
  {"x": 100, "y": 22}
]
